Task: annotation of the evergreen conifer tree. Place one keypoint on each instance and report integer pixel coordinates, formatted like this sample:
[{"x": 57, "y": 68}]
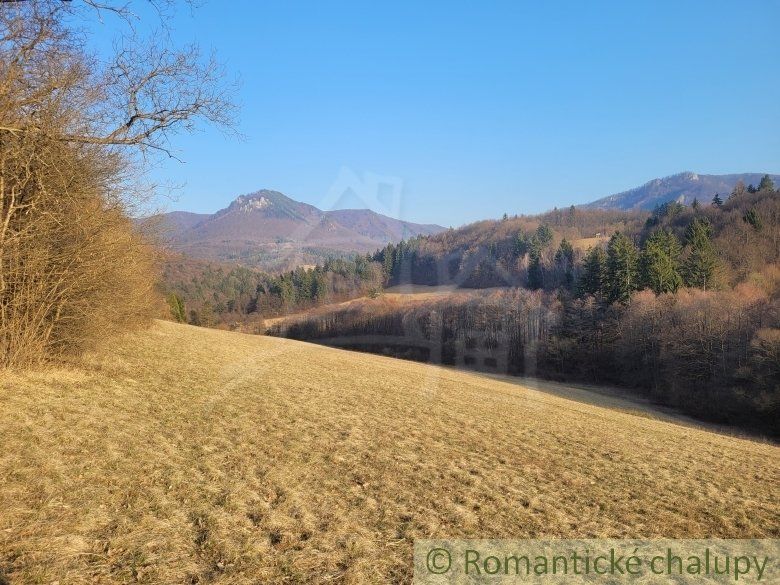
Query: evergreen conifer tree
[
  {"x": 621, "y": 276},
  {"x": 660, "y": 262},
  {"x": 591, "y": 281},
  {"x": 700, "y": 263},
  {"x": 766, "y": 184}
]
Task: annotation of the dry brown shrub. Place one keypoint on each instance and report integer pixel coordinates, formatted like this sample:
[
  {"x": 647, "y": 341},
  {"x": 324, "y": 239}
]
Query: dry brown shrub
[
  {"x": 72, "y": 268},
  {"x": 75, "y": 133}
]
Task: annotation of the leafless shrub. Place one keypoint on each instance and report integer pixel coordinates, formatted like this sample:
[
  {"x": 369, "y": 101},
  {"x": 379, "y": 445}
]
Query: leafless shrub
[{"x": 74, "y": 134}]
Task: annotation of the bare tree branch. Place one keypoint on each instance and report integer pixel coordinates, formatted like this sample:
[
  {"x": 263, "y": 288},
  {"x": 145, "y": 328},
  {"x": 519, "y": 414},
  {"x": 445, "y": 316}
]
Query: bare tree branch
[{"x": 75, "y": 133}]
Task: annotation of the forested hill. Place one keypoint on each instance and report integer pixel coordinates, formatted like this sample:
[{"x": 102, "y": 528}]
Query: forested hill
[
  {"x": 554, "y": 250},
  {"x": 564, "y": 249}
]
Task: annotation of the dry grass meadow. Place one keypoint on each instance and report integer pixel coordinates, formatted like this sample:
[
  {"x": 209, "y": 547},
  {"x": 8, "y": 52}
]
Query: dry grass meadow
[
  {"x": 401, "y": 294},
  {"x": 186, "y": 455}
]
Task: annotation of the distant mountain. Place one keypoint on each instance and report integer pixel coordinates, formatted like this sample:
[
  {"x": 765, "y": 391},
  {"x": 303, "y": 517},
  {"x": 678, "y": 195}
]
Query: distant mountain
[
  {"x": 683, "y": 187},
  {"x": 380, "y": 227},
  {"x": 274, "y": 232},
  {"x": 179, "y": 221}
]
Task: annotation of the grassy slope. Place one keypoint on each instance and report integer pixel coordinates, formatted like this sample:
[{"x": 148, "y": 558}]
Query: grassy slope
[
  {"x": 193, "y": 455},
  {"x": 401, "y": 294}
]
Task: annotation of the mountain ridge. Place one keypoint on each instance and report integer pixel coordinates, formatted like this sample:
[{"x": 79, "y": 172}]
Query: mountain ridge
[
  {"x": 270, "y": 230},
  {"x": 683, "y": 187}
]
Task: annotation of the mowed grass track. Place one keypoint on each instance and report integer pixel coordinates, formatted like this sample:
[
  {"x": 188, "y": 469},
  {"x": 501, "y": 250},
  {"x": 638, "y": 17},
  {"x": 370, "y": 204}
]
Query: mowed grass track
[{"x": 185, "y": 455}]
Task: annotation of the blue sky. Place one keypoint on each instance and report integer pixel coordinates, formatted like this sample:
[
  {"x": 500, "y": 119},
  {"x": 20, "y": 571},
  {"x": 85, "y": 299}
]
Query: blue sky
[{"x": 470, "y": 110}]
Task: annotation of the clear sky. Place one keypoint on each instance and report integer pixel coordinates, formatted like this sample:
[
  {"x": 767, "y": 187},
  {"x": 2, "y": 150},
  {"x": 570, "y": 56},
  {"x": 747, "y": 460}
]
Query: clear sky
[{"x": 468, "y": 110}]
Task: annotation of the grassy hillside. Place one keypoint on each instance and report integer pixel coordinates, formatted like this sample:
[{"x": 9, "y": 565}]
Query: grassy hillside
[{"x": 186, "y": 455}]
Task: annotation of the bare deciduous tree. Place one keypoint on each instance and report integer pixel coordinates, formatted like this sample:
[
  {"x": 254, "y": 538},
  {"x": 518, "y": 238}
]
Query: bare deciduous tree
[{"x": 74, "y": 131}]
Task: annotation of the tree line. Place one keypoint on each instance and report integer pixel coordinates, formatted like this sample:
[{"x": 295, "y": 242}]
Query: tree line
[
  {"x": 220, "y": 295},
  {"x": 711, "y": 354},
  {"x": 674, "y": 246}
]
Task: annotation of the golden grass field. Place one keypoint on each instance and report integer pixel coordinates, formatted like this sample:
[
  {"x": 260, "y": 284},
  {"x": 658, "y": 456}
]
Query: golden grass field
[
  {"x": 186, "y": 455},
  {"x": 408, "y": 293},
  {"x": 584, "y": 243}
]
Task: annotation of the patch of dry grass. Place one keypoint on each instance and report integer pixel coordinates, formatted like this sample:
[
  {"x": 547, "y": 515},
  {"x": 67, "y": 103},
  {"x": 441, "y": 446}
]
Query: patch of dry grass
[
  {"x": 188, "y": 455},
  {"x": 584, "y": 243},
  {"x": 395, "y": 296}
]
